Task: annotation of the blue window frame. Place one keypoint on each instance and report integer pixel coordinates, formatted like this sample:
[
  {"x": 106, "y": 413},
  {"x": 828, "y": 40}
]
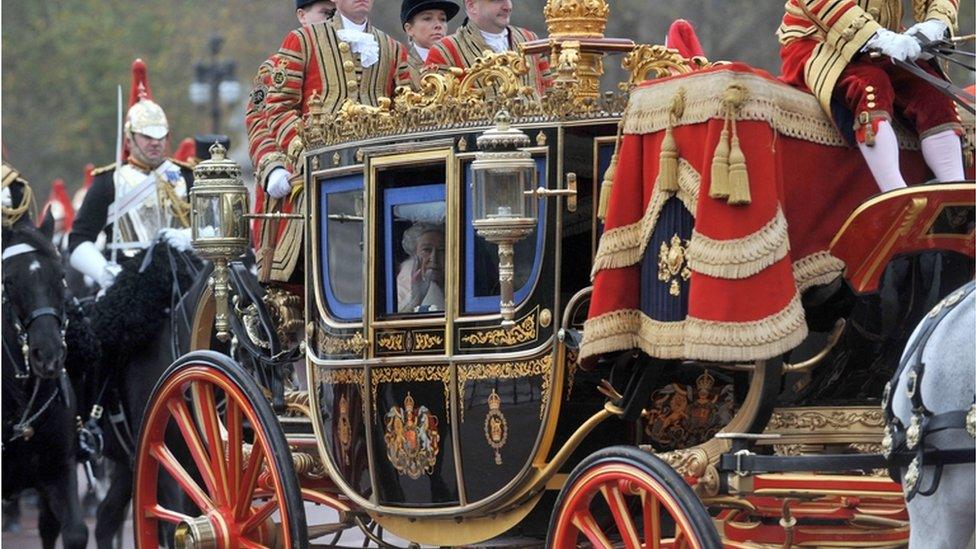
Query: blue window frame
[
  {"x": 423, "y": 202},
  {"x": 345, "y": 303},
  {"x": 489, "y": 303}
]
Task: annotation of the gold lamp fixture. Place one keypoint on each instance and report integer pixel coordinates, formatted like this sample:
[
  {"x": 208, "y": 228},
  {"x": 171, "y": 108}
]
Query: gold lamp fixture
[
  {"x": 505, "y": 206},
  {"x": 220, "y": 230}
]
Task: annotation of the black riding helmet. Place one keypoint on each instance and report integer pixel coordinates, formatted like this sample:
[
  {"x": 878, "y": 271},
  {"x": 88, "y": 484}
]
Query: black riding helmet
[{"x": 413, "y": 7}]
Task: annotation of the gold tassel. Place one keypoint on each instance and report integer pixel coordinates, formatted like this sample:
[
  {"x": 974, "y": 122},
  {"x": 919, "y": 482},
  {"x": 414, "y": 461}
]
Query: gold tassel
[
  {"x": 719, "y": 188},
  {"x": 607, "y": 187},
  {"x": 667, "y": 179},
  {"x": 738, "y": 175}
]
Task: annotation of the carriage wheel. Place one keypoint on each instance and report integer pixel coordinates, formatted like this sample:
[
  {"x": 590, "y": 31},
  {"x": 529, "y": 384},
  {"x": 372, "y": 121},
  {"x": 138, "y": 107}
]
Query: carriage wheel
[
  {"x": 624, "y": 497},
  {"x": 244, "y": 487}
]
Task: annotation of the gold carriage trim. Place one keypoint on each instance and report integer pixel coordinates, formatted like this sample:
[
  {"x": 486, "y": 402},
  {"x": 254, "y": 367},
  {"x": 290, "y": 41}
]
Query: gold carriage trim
[
  {"x": 479, "y": 338},
  {"x": 740, "y": 257},
  {"x": 787, "y": 110},
  {"x": 541, "y": 366},
  {"x": 695, "y": 338},
  {"x": 816, "y": 269},
  {"x": 411, "y": 374},
  {"x": 624, "y": 246}
]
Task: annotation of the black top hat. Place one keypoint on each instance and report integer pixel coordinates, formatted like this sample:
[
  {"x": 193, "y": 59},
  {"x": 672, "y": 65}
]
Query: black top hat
[
  {"x": 205, "y": 141},
  {"x": 300, "y": 4},
  {"x": 413, "y": 7}
]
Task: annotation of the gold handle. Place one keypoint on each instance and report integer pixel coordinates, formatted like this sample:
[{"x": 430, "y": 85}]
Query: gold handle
[{"x": 569, "y": 192}]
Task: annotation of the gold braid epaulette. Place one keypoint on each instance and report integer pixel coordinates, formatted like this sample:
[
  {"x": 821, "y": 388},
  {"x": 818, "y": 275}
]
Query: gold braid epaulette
[{"x": 103, "y": 169}]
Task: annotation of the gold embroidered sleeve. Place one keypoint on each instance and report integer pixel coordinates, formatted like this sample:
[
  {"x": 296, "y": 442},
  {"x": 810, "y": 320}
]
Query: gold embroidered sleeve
[
  {"x": 946, "y": 11},
  {"x": 851, "y": 31}
]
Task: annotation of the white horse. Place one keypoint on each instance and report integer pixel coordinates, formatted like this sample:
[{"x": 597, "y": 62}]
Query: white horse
[{"x": 946, "y": 518}]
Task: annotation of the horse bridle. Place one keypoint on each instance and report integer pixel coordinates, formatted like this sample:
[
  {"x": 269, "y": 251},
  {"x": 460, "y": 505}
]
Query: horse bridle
[
  {"x": 22, "y": 326},
  {"x": 901, "y": 442}
]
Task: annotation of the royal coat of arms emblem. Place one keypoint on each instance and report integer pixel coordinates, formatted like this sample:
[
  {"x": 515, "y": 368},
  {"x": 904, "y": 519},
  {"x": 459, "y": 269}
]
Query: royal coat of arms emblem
[
  {"x": 496, "y": 426},
  {"x": 412, "y": 440}
]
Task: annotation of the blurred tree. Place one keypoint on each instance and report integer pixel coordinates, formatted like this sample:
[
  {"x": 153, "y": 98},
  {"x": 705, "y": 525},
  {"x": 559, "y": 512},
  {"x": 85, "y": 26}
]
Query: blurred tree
[{"x": 63, "y": 60}]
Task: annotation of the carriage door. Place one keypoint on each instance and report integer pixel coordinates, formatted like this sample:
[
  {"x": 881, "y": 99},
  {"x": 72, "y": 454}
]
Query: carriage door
[{"x": 411, "y": 308}]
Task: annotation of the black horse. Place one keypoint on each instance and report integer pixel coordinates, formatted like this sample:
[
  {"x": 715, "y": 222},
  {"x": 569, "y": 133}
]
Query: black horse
[
  {"x": 39, "y": 432},
  {"x": 139, "y": 323}
]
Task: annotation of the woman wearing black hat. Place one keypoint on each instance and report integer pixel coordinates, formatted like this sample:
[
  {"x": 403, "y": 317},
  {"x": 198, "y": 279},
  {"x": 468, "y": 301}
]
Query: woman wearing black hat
[{"x": 425, "y": 22}]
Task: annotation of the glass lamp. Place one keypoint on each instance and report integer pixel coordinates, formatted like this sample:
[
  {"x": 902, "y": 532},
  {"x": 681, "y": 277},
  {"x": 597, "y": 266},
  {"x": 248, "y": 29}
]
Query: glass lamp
[
  {"x": 505, "y": 207},
  {"x": 220, "y": 231}
]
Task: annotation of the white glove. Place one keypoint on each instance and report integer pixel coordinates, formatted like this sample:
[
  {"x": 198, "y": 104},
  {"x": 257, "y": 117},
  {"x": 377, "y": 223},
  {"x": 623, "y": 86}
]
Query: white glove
[
  {"x": 89, "y": 261},
  {"x": 933, "y": 29},
  {"x": 181, "y": 239},
  {"x": 278, "y": 183},
  {"x": 894, "y": 45}
]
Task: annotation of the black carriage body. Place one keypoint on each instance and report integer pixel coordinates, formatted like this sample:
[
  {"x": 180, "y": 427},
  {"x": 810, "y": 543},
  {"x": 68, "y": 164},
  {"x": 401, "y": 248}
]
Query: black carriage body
[{"x": 445, "y": 413}]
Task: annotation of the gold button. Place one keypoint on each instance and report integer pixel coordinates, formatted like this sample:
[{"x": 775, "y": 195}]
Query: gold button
[
  {"x": 869, "y": 89},
  {"x": 343, "y": 47},
  {"x": 874, "y": 12},
  {"x": 352, "y": 85},
  {"x": 349, "y": 66},
  {"x": 871, "y": 105},
  {"x": 848, "y": 34},
  {"x": 870, "y": 97}
]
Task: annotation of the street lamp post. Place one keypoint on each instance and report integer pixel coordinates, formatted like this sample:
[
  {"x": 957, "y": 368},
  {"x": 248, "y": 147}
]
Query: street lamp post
[{"x": 214, "y": 83}]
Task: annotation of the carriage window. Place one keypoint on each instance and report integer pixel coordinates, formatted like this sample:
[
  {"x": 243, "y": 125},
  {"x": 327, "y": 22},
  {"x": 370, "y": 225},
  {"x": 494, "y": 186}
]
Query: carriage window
[
  {"x": 481, "y": 288},
  {"x": 413, "y": 260},
  {"x": 342, "y": 203}
]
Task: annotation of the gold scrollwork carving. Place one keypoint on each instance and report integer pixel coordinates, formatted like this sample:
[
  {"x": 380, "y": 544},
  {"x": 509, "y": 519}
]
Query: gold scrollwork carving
[
  {"x": 452, "y": 99},
  {"x": 694, "y": 462},
  {"x": 392, "y": 342},
  {"x": 335, "y": 345},
  {"x": 662, "y": 61},
  {"x": 812, "y": 420},
  {"x": 341, "y": 376},
  {"x": 507, "y": 370},
  {"x": 408, "y": 375},
  {"x": 425, "y": 342},
  {"x": 523, "y": 332}
]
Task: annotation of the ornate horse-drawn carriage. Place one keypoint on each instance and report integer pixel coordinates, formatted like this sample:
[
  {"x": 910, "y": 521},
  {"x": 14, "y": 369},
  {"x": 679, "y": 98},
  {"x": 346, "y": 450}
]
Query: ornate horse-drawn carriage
[{"x": 457, "y": 393}]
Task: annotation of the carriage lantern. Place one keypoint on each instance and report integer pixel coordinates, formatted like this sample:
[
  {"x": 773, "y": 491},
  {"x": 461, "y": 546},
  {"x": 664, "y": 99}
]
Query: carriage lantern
[
  {"x": 505, "y": 206},
  {"x": 221, "y": 234}
]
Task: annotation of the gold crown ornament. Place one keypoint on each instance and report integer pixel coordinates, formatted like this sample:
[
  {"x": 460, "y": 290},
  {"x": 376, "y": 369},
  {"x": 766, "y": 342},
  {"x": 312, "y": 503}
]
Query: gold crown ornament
[{"x": 576, "y": 18}]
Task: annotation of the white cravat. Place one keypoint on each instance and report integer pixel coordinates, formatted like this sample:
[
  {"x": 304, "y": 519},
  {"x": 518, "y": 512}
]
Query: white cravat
[
  {"x": 361, "y": 42},
  {"x": 497, "y": 42},
  {"x": 421, "y": 51}
]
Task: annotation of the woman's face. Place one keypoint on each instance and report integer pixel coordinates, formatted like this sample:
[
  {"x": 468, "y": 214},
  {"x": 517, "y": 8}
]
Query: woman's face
[
  {"x": 427, "y": 27},
  {"x": 430, "y": 254}
]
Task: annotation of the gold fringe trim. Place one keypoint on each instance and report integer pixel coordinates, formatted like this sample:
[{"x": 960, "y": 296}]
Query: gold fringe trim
[
  {"x": 740, "y": 257},
  {"x": 696, "y": 339},
  {"x": 789, "y": 111},
  {"x": 816, "y": 269},
  {"x": 624, "y": 246}
]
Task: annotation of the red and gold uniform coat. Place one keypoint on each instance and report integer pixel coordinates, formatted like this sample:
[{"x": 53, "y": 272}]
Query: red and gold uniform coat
[
  {"x": 262, "y": 148},
  {"x": 313, "y": 60},
  {"x": 462, "y": 48},
  {"x": 820, "y": 38}
]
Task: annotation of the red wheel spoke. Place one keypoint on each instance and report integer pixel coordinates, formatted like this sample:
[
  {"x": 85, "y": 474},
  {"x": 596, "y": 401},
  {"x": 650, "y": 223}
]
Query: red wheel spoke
[
  {"x": 184, "y": 420},
  {"x": 166, "y": 515},
  {"x": 621, "y": 515},
  {"x": 652, "y": 520},
  {"x": 679, "y": 538},
  {"x": 250, "y": 481},
  {"x": 251, "y": 544},
  {"x": 206, "y": 406},
  {"x": 169, "y": 462},
  {"x": 260, "y": 515},
  {"x": 235, "y": 443},
  {"x": 586, "y": 524}
]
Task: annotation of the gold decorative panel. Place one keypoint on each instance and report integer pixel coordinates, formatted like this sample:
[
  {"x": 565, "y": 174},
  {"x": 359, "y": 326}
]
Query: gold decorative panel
[
  {"x": 408, "y": 374},
  {"x": 524, "y": 331},
  {"x": 507, "y": 370}
]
